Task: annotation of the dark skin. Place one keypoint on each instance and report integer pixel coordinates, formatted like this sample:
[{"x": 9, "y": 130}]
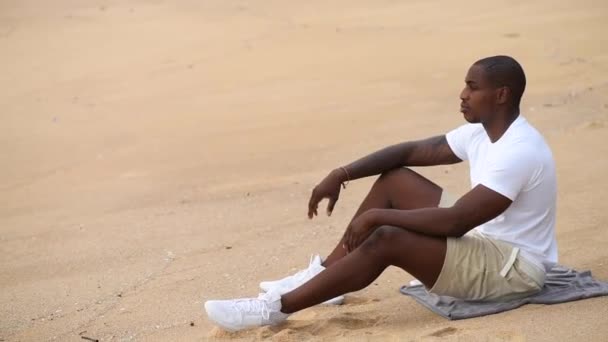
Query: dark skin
[{"x": 399, "y": 223}]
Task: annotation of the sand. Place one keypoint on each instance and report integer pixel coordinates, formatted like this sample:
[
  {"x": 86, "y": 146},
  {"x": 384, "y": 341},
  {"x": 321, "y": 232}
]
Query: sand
[{"x": 156, "y": 154}]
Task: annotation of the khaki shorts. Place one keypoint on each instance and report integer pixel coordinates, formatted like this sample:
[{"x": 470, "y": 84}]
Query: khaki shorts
[{"x": 477, "y": 267}]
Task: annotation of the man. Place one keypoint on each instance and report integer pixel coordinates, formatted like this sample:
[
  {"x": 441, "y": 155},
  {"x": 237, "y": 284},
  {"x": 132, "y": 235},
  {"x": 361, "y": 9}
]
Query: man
[{"x": 494, "y": 243}]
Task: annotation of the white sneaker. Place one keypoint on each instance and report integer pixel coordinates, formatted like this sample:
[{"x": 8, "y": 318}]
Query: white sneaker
[
  {"x": 239, "y": 314},
  {"x": 292, "y": 282},
  {"x": 415, "y": 282}
]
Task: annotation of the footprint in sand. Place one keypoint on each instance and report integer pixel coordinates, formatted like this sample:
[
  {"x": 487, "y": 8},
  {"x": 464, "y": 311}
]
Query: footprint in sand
[
  {"x": 444, "y": 332},
  {"x": 351, "y": 300},
  {"x": 592, "y": 124},
  {"x": 345, "y": 321},
  {"x": 288, "y": 335}
]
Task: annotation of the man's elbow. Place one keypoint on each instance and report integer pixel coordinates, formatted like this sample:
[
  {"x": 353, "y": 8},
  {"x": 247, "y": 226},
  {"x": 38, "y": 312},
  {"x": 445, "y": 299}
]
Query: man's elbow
[
  {"x": 460, "y": 222},
  {"x": 458, "y": 228},
  {"x": 456, "y": 232}
]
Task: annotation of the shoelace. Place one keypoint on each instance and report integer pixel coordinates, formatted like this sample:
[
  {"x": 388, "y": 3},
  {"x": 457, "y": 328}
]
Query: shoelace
[{"x": 253, "y": 305}]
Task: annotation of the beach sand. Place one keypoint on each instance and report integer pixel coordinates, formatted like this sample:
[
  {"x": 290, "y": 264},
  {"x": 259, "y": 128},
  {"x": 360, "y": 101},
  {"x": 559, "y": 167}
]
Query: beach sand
[{"x": 157, "y": 154}]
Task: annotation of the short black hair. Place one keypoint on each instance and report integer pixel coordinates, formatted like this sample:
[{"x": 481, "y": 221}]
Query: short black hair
[{"x": 505, "y": 71}]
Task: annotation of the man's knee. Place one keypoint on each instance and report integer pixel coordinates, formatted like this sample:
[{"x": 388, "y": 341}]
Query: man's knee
[
  {"x": 395, "y": 173},
  {"x": 398, "y": 175},
  {"x": 384, "y": 238},
  {"x": 387, "y": 233}
]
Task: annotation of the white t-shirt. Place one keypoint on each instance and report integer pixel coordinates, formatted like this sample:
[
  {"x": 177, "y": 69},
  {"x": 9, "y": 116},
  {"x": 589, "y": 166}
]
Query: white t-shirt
[{"x": 519, "y": 166}]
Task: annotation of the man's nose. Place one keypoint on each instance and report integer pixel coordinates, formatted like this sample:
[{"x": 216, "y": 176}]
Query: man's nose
[{"x": 464, "y": 94}]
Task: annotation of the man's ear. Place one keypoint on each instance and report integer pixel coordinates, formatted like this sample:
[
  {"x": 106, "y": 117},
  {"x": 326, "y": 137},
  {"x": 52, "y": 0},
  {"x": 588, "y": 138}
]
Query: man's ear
[{"x": 502, "y": 95}]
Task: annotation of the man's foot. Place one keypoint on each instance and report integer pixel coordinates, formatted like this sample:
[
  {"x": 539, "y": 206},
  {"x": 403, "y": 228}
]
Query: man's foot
[
  {"x": 292, "y": 282},
  {"x": 239, "y": 314}
]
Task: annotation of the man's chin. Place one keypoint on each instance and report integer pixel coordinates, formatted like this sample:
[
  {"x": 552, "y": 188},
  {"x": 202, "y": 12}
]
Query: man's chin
[{"x": 470, "y": 118}]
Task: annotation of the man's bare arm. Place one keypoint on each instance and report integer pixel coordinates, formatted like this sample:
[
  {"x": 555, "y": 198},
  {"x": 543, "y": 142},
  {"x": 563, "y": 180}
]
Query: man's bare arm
[
  {"x": 427, "y": 152},
  {"x": 478, "y": 206}
]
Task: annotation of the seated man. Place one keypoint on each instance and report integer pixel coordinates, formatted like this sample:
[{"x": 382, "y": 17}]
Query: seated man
[{"x": 494, "y": 243}]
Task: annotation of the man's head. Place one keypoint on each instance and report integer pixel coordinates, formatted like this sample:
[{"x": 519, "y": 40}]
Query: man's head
[{"x": 493, "y": 84}]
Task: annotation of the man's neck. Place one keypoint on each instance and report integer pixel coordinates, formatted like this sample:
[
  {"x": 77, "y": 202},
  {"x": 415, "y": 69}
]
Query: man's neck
[{"x": 496, "y": 128}]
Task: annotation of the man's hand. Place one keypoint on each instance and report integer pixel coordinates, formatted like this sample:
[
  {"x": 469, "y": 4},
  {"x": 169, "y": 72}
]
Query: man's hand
[
  {"x": 360, "y": 229},
  {"x": 328, "y": 188}
]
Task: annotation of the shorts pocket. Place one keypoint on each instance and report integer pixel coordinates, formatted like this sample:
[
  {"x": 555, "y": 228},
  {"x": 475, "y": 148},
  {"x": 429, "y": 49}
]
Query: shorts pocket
[
  {"x": 520, "y": 281},
  {"x": 527, "y": 276}
]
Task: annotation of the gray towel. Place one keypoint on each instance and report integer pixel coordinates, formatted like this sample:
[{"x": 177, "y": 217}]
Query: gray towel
[{"x": 561, "y": 285}]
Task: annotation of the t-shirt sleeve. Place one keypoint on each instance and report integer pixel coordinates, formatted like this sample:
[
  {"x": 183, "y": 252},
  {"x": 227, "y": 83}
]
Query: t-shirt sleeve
[
  {"x": 459, "y": 140},
  {"x": 509, "y": 172}
]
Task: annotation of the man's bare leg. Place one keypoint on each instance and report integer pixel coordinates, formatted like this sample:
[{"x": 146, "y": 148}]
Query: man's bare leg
[
  {"x": 399, "y": 189},
  {"x": 420, "y": 255}
]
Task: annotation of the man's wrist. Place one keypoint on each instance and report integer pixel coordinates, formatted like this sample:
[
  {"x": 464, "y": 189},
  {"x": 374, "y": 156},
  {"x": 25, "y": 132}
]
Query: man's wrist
[{"x": 340, "y": 175}]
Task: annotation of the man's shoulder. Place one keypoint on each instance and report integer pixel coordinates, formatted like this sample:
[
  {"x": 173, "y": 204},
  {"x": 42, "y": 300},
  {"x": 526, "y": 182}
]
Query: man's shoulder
[
  {"x": 525, "y": 131},
  {"x": 526, "y": 141},
  {"x": 527, "y": 151}
]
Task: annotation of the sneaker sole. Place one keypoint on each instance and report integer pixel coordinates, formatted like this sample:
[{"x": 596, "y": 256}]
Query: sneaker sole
[
  {"x": 232, "y": 328},
  {"x": 335, "y": 301},
  {"x": 219, "y": 324}
]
